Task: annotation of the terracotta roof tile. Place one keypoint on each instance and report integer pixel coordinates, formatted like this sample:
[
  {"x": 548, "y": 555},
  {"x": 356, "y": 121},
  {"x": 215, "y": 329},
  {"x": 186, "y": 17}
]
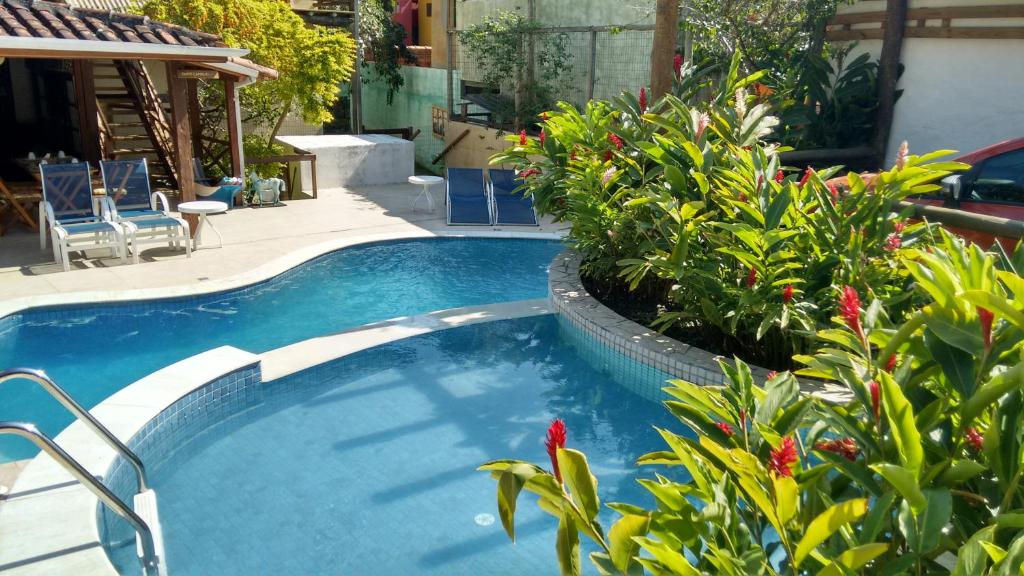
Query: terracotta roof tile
[{"x": 41, "y": 19}]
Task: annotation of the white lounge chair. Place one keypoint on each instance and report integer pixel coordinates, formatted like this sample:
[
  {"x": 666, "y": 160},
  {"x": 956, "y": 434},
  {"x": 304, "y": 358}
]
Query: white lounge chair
[
  {"x": 144, "y": 215},
  {"x": 68, "y": 209}
]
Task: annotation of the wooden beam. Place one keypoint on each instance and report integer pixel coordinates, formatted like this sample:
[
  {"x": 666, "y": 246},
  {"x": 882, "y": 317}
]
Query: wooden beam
[
  {"x": 961, "y": 32},
  {"x": 960, "y": 12},
  {"x": 888, "y": 72},
  {"x": 88, "y": 116},
  {"x": 234, "y": 126},
  {"x": 195, "y": 117},
  {"x": 181, "y": 133},
  {"x": 113, "y": 54}
]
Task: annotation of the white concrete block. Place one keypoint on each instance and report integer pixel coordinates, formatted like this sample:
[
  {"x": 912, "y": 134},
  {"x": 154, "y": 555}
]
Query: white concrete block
[{"x": 346, "y": 160}]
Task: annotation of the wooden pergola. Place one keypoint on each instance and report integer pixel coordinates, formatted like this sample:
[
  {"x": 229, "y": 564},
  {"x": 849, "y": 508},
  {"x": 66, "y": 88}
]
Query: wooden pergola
[{"x": 131, "y": 45}]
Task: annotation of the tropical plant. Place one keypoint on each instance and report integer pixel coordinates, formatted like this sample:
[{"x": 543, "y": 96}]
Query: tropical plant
[
  {"x": 498, "y": 48},
  {"x": 384, "y": 40},
  {"x": 687, "y": 206},
  {"x": 914, "y": 468},
  {"x": 312, "y": 60}
]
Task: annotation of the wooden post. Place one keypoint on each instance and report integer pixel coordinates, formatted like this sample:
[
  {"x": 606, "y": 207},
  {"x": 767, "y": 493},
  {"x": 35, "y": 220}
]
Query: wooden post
[
  {"x": 85, "y": 100},
  {"x": 894, "y": 26},
  {"x": 195, "y": 117},
  {"x": 181, "y": 133},
  {"x": 234, "y": 122},
  {"x": 663, "y": 48}
]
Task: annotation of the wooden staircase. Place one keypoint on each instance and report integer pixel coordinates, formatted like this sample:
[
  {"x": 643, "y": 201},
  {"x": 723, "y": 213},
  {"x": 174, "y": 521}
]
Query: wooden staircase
[{"x": 133, "y": 119}]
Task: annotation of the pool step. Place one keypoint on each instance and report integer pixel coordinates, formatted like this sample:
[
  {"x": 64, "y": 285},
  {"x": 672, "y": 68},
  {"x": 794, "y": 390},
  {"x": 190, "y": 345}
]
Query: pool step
[{"x": 145, "y": 506}]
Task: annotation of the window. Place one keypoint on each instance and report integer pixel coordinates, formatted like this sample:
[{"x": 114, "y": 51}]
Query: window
[{"x": 999, "y": 179}]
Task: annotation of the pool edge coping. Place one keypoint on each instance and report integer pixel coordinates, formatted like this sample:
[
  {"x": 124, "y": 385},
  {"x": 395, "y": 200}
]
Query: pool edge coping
[
  {"x": 51, "y": 519},
  {"x": 261, "y": 273}
]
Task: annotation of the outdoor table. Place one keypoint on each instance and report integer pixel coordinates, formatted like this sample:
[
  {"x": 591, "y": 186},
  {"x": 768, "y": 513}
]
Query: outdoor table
[
  {"x": 203, "y": 208},
  {"x": 426, "y": 182}
]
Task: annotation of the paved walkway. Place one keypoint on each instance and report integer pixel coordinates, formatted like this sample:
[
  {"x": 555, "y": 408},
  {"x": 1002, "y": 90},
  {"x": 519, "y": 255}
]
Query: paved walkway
[{"x": 251, "y": 238}]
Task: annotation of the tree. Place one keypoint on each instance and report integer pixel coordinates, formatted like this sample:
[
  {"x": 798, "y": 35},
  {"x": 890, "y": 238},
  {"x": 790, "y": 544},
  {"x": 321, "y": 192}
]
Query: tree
[
  {"x": 312, "y": 60},
  {"x": 666, "y": 19}
]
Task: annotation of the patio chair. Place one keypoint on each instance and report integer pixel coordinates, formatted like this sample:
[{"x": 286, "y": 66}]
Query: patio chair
[
  {"x": 466, "y": 197},
  {"x": 132, "y": 205},
  {"x": 511, "y": 208},
  {"x": 225, "y": 190},
  {"x": 68, "y": 211}
]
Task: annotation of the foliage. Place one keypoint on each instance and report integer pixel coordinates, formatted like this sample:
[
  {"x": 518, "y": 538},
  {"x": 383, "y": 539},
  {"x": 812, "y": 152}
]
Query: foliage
[
  {"x": 384, "y": 39},
  {"x": 312, "y": 60},
  {"x": 825, "y": 106},
  {"x": 499, "y": 48},
  {"x": 688, "y": 206},
  {"x": 915, "y": 470}
]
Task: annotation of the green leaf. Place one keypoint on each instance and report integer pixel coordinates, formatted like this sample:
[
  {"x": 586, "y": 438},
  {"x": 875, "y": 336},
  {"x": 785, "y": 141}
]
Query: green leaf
[
  {"x": 581, "y": 483},
  {"x": 787, "y": 497},
  {"x": 904, "y": 428},
  {"x": 877, "y": 518},
  {"x": 972, "y": 559},
  {"x": 621, "y": 539},
  {"x": 960, "y": 471},
  {"x": 922, "y": 530},
  {"x": 854, "y": 558},
  {"x": 954, "y": 330},
  {"x": 673, "y": 561},
  {"x": 995, "y": 303},
  {"x": 992, "y": 391},
  {"x": 957, "y": 365},
  {"x": 510, "y": 482},
  {"x": 904, "y": 482},
  {"x": 825, "y": 525},
  {"x": 855, "y": 470},
  {"x": 567, "y": 545}
]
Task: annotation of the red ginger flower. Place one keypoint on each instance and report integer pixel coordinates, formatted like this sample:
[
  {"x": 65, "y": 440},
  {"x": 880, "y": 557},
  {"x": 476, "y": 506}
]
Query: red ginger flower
[
  {"x": 876, "y": 399},
  {"x": 522, "y": 137},
  {"x": 890, "y": 365},
  {"x": 544, "y": 116},
  {"x": 985, "y": 318},
  {"x": 724, "y": 428},
  {"x": 834, "y": 191},
  {"x": 677, "y": 65},
  {"x": 780, "y": 176},
  {"x": 543, "y": 137},
  {"x": 607, "y": 155},
  {"x": 528, "y": 172},
  {"x": 782, "y": 459},
  {"x": 849, "y": 308},
  {"x": 898, "y": 226},
  {"x": 893, "y": 242},
  {"x": 702, "y": 124},
  {"x": 614, "y": 139},
  {"x": 806, "y": 176},
  {"x": 751, "y": 277},
  {"x": 555, "y": 440},
  {"x": 846, "y": 448},
  {"x": 787, "y": 294},
  {"x": 974, "y": 439},
  {"x": 772, "y": 374},
  {"x": 643, "y": 99}
]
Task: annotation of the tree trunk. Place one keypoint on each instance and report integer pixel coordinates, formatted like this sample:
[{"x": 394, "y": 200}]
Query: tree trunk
[
  {"x": 888, "y": 72},
  {"x": 280, "y": 121},
  {"x": 666, "y": 24}
]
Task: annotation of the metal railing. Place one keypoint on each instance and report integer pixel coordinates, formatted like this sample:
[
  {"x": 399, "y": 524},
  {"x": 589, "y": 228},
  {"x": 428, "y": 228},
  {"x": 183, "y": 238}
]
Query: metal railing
[
  {"x": 150, "y": 560},
  {"x": 51, "y": 387}
]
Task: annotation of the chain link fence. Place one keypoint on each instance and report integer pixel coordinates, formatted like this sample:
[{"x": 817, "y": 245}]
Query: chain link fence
[{"x": 544, "y": 66}]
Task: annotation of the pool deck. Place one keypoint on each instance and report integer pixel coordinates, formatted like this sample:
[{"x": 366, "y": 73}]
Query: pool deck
[{"x": 252, "y": 237}]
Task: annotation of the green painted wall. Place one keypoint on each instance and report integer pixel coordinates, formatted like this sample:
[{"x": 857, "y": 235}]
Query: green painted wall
[{"x": 424, "y": 88}]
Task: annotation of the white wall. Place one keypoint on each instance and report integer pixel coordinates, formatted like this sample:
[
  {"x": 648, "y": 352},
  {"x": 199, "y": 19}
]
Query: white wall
[{"x": 960, "y": 94}]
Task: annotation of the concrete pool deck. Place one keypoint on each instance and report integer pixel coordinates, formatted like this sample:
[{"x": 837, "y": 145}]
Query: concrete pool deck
[{"x": 252, "y": 237}]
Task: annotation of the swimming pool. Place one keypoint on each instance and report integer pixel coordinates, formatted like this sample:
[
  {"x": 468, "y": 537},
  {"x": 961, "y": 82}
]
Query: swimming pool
[
  {"x": 93, "y": 351},
  {"x": 366, "y": 465}
]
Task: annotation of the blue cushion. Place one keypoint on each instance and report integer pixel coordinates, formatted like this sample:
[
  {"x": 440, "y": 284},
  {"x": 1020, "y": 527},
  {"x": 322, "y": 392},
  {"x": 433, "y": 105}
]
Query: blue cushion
[
  {"x": 139, "y": 213},
  {"x": 514, "y": 210},
  {"x": 149, "y": 223},
  {"x": 469, "y": 210},
  {"x": 87, "y": 227}
]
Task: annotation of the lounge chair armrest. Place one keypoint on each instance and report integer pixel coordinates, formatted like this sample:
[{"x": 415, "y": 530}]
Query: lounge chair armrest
[
  {"x": 165, "y": 205},
  {"x": 108, "y": 209},
  {"x": 48, "y": 208}
]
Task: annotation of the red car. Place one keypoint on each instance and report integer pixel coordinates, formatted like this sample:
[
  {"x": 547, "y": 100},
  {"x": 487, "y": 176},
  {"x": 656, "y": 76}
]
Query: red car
[{"x": 994, "y": 185}]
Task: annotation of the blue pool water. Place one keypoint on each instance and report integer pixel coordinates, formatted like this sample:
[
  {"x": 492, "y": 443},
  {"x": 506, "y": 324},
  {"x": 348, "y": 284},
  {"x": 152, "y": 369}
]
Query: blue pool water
[
  {"x": 366, "y": 465},
  {"x": 93, "y": 351}
]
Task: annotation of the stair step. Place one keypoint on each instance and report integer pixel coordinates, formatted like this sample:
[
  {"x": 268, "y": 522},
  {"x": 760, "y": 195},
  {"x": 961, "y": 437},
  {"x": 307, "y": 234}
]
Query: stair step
[
  {"x": 124, "y": 151},
  {"x": 126, "y": 124},
  {"x": 130, "y": 136}
]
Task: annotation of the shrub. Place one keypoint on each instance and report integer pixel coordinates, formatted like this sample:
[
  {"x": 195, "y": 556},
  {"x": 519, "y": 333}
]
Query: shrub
[
  {"x": 687, "y": 206},
  {"x": 916, "y": 470}
]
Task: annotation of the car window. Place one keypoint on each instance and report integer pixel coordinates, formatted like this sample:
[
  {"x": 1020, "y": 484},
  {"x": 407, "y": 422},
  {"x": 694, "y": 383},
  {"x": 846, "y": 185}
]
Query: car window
[{"x": 999, "y": 179}]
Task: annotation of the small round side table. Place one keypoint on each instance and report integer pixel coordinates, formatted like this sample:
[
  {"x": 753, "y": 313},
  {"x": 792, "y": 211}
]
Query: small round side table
[
  {"x": 426, "y": 182},
  {"x": 204, "y": 208}
]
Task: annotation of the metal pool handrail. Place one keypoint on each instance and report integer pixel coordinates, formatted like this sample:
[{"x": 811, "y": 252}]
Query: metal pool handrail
[
  {"x": 51, "y": 387},
  {"x": 150, "y": 560}
]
